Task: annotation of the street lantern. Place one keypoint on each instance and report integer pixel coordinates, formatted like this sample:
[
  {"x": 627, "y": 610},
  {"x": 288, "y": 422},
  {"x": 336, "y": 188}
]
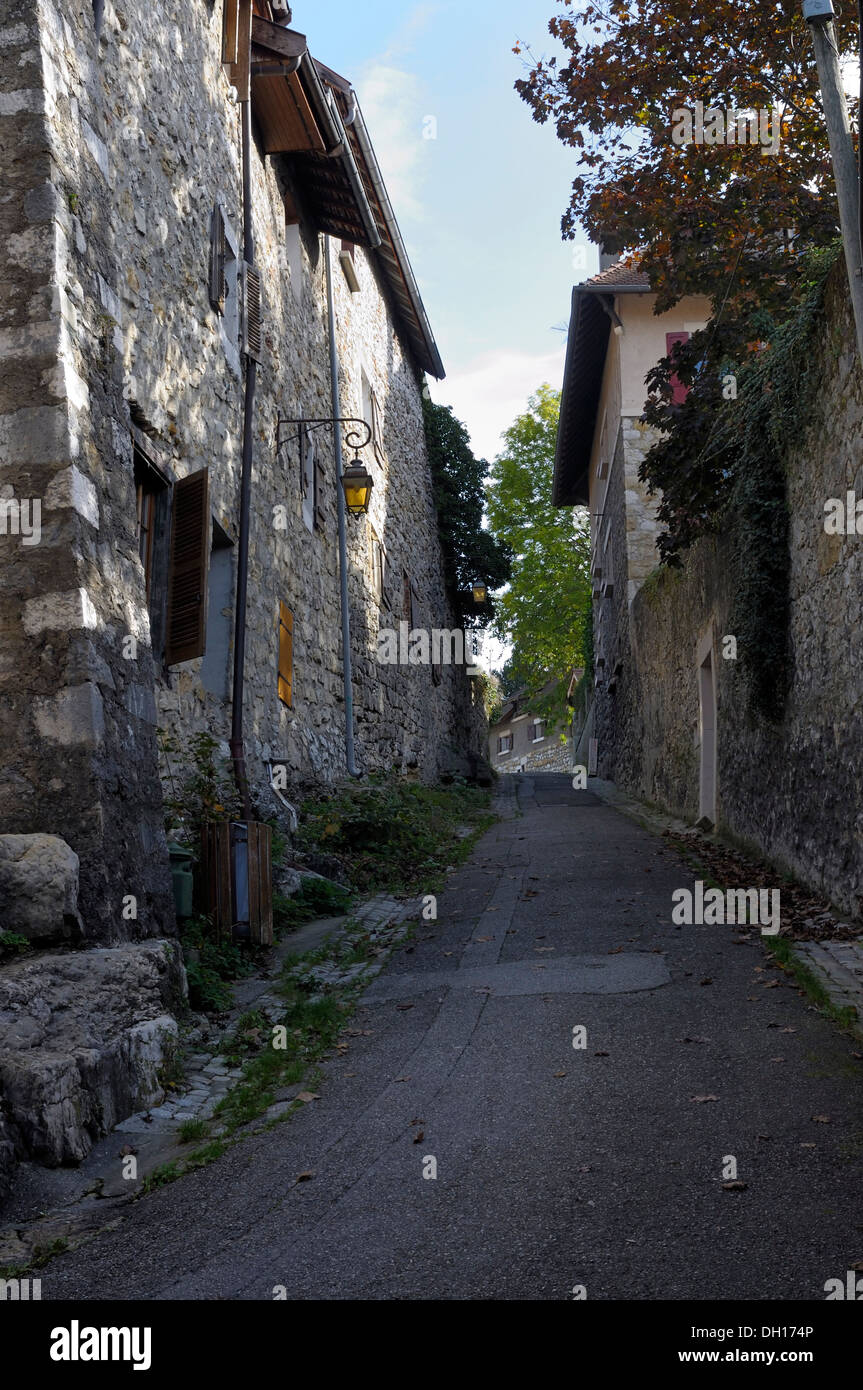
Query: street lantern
[
  {"x": 480, "y": 592},
  {"x": 357, "y": 483}
]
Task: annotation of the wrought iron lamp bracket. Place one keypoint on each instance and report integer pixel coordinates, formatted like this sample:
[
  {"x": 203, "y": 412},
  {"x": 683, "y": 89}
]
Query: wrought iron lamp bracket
[{"x": 353, "y": 437}]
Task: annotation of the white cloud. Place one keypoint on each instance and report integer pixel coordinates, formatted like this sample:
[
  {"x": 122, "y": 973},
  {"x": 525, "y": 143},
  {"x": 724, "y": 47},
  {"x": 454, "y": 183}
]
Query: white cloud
[
  {"x": 490, "y": 392},
  {"x": 392, "y": 107}
]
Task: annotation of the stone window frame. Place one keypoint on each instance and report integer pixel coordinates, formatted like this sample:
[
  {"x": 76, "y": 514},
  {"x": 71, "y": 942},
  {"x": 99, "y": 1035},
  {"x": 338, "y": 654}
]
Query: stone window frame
[{"x": 538, "y": 724}]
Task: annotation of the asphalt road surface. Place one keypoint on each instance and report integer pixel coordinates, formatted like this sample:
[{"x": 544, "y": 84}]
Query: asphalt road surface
[{"x": 558, "y": 1167}]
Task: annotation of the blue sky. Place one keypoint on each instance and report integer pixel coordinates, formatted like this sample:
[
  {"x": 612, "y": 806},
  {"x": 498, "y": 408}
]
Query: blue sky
[{"x": 480, "y": 204}]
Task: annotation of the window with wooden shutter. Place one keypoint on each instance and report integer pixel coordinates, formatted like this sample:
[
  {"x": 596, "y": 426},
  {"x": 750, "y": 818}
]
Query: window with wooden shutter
[
  {"x": 679, "y": 392},
  {"x": 252, "y": 327},
  {"x": 320, "y": 518},
  {"x": 286, "y": 655},
  {"x": 218, "y": 285},
  {"x": 190, "y": 560}
]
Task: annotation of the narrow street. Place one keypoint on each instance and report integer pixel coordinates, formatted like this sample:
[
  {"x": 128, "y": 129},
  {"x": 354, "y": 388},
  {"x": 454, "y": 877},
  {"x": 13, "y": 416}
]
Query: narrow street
[{"x": 557, "y": 1166}]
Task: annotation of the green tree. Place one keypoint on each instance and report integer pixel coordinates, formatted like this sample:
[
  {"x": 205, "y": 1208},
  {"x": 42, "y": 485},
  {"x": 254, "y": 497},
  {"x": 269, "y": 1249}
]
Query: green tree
[
  {"x": 543, "y": 612},
  {"x": 470, "y": 551}
]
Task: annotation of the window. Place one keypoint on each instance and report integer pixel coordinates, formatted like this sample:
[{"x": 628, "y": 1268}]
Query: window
[
  {"x": 307, "y": 448},
  {"x": 410, "y": 600},
  {"x": 286, "y": 655},
  {"x": 504, "y": 743},
  {"x": 223, "y": 282},
  {"x": 215, "y": 666},
  {"x": 153, "y": 515},
  {"x": 370, "y": 411},
  {"x": 379, "y": 566},
  {"x": 679, "y": 392},
  {"x": 538, "y": 731}
]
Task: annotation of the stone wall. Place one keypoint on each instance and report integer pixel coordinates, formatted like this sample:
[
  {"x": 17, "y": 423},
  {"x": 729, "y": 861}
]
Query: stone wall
[
  {"x": 791, "y": 791},
  {"x": 117, "y": 144}
]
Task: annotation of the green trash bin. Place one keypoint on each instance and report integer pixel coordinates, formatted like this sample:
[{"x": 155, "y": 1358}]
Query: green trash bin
[{"x": 182, "y": 878}]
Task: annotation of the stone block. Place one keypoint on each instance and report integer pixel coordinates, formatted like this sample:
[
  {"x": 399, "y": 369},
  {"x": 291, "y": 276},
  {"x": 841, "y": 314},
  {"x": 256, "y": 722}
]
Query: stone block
[{"x": 39, "y": 887}]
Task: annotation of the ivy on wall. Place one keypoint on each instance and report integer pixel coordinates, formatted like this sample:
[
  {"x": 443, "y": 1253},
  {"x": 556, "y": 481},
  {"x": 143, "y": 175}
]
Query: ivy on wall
[{"x": 736, "y": 483}]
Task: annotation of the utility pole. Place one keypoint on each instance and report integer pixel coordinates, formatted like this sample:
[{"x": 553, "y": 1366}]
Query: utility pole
[{"x": 819, "y": 15}]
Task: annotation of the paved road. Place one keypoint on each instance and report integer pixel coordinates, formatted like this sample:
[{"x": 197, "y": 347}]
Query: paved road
[{"x": 556, "y": 1167}]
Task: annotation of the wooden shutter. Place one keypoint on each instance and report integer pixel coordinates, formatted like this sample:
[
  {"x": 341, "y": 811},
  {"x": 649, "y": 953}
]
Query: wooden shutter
[
  {"x": 320, "y": 519},
  {"x": 190, "y": 564},
  {"x": 286, "y": 655},
  {"x": 230, "y": 30},
  {"x": 252, "y": 335},
  {"x": 218, "y": 287},
  {"x": 679, "y": 392}
]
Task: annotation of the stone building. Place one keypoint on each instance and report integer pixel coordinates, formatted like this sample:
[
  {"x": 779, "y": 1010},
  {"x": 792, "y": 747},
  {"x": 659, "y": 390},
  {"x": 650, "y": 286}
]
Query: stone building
[
  {"x": 523, "y": 741},
  {"x": 138, "y": 286},
  {"x": 671, "y": 717},
  {"x": 615, "y": 338}
]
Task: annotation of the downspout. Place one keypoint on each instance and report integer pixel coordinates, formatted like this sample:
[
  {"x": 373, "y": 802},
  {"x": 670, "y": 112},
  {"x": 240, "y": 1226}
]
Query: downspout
[
  {"x": 342, "y": 511},
  {"x": 238, "y": 754}
]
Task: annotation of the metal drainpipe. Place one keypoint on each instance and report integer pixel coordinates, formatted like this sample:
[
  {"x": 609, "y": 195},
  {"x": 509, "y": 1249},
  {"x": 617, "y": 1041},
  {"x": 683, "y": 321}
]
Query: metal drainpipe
[
  {"x": 353, "y": 771},
  {"x": 238, "y": 754}
]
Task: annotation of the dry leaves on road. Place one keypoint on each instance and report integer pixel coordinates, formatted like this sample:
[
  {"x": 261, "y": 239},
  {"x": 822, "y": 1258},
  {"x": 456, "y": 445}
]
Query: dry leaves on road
[
  {"x": 703, "y": 1098},
  {"x": 304, "y": 1177},
  {"x": 822, "y": 1119},
  {"x": 737, "y": 1185},
  {"x": 306, "y": 1096}
]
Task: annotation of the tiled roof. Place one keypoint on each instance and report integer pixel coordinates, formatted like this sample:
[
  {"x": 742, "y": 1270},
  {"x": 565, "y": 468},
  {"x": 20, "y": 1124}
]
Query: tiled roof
[{"x": 618, "y": 275}]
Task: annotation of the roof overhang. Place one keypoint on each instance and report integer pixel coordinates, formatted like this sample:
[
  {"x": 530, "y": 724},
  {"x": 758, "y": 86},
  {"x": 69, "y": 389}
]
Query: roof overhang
[
  {"x": 586, "y": 353},
  {"x": 306, "y": 110}
]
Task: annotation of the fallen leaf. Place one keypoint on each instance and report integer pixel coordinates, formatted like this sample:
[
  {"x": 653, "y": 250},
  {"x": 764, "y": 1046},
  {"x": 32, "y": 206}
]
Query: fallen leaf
[
  {"x": 404, "y": 1007},
  {"x": 306, "y": 1096},
  {"x": 821, "y": 1119},
  {"x": 483, "y": 938},
  {"x": 419, "y": 1137},
  {"x": 703, "y": 1098},
  {"x": 808, "y": 1146},
  {"x": 402, "y": 1078},
  {"x": 543, "y": 948},
  {"x": 304, "y": 1177},
  {"x": 777, "y": 1059},
  {"x": 788, "y": 1030},
  {"x": 694, "y": 1040},
  {"x": 560, "y": 1073},
  {"x": 737, "y": 1185},
  {"x": 770, "y": 984},
  {"x": 600, "y": 1054},
  {"x": 615, "y": 950},
  {"x": 706, "y": 981},
  {"x": 765, "y": 1137}
]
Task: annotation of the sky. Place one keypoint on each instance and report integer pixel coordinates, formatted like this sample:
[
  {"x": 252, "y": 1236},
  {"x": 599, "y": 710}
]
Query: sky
[{"x": 478, "y": 187}]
